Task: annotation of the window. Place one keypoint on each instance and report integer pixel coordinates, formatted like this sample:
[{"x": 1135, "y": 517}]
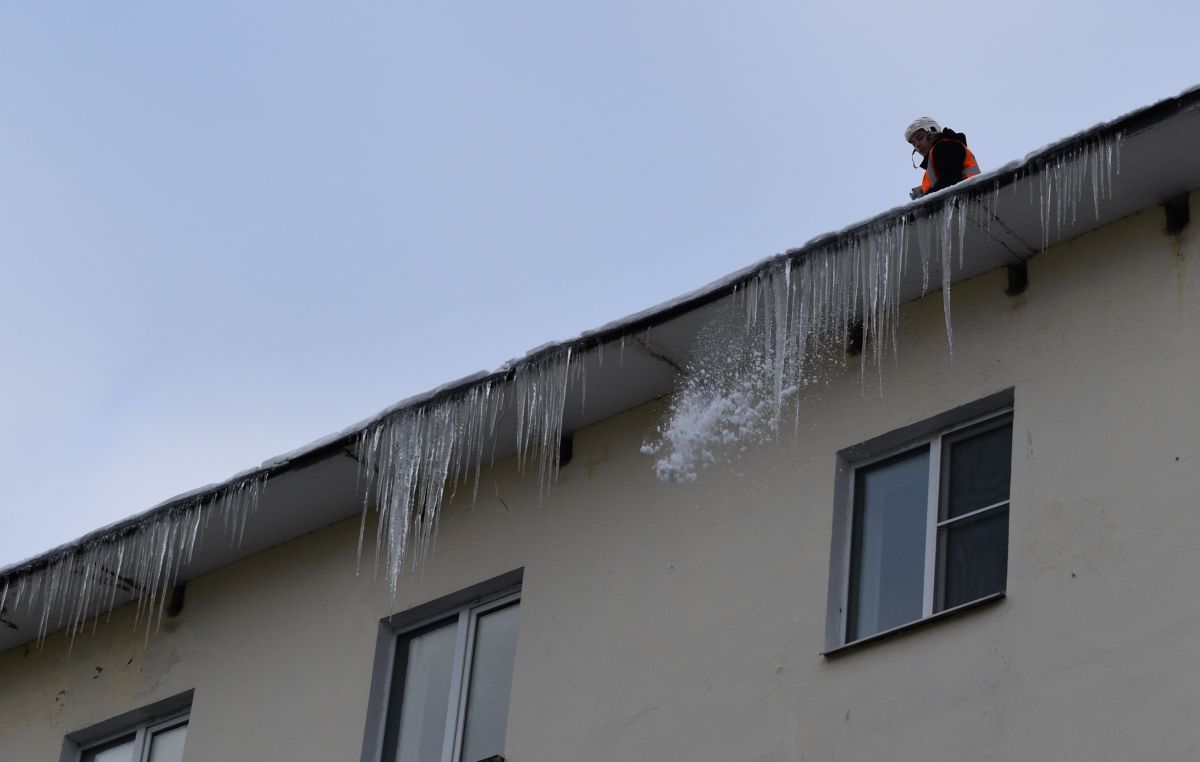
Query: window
[
  {"x": 449, "y": 680},
  {"x": 149, "y": 743},
  {"x": 923, "y": 524},
  {"x": 154, "y": 733}
]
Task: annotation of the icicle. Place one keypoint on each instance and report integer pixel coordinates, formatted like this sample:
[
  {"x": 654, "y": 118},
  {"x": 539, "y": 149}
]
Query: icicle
[
  {"x": 925, "y": 243},
  {"x": 541, "y": 393},
  {"x": 579, "y": 378},
  {"x": 1063, "y": 180},
  {"x": 946, "y": 219},
  {"x": 412, "y": 455},
  {"x": 78, "y": 582}
]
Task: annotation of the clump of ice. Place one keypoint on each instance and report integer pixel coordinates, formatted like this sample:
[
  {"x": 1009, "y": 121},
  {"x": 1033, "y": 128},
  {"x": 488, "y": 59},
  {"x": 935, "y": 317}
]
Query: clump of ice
[
  {"x": 726, "y": 402},
  {"x": 706, "y": 420}
]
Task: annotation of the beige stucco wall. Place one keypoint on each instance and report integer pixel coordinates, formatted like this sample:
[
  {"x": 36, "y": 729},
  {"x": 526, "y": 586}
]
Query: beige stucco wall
[{"x": 685, "y": 622}]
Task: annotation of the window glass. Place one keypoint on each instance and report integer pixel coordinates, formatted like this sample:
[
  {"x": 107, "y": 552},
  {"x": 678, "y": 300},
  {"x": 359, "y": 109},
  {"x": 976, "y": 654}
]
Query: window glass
[
  {"x": 491, "y": 684},
  {"x": 427, "y": 672},
  {"x": 974, "y": 554},
  {"x": 979, "y": 468},
  {"x": 891, "y": 512},
  {"x": 167, "y": 745},
  {"x": 120, "y": 750}
]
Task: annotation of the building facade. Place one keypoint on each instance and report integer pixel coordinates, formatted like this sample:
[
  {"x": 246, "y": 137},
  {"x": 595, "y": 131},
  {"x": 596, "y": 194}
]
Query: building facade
[{"x": 983, "y": 553}]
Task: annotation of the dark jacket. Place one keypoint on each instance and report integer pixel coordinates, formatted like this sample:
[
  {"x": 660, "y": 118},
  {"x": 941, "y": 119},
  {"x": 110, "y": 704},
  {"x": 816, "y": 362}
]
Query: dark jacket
[{"x": 949, "y": 153}]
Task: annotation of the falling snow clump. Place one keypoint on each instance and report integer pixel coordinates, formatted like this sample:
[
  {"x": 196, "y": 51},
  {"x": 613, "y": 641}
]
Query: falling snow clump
[{"x": 717, "y": 413}]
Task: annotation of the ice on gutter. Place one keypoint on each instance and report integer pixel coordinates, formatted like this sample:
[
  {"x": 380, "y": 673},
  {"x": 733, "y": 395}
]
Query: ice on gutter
[
  {"x": 136, "y": 558},
  {"x": 802, "y": 302}
]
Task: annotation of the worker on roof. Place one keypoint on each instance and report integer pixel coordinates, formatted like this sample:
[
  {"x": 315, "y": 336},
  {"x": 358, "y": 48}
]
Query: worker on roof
[{"x": 945, "y": 156}]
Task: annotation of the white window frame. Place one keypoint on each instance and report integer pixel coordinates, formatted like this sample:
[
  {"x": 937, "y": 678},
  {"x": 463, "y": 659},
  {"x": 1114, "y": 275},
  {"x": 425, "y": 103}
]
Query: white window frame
[
  {"x": 143, "y": 734},
  {"x": 144, "y": 723},
  {"x": 460, "y": 682},
  {"x": 931, "y": 433},
  {"x": 463, "y": 610}
]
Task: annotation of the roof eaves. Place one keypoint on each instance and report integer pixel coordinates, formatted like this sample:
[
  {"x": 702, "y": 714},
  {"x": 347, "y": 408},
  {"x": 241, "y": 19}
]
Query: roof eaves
[{"x": 1033, "y": 162}]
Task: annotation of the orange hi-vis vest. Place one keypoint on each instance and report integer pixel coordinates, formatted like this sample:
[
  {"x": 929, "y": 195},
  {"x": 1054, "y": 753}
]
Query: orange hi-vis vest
[{"x": 970, "y": 167}]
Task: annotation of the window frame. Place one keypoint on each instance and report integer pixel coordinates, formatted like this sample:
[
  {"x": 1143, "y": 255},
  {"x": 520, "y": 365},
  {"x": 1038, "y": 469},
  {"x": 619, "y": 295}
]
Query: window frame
[
  {"x": 462, "y": 609},
  {"x": 142, "y": 735},
  {"x": 143, "y": 723},
  {"x": 977, "y": 418}
]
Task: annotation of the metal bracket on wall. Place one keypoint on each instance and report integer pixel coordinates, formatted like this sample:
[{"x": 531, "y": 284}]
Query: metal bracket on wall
[
  {"x": 175, "y": 606},
  {"x": 854, "y": 339},
  {"x": 1179, "y": 213},
  {"x": 1018, "y": 279}
]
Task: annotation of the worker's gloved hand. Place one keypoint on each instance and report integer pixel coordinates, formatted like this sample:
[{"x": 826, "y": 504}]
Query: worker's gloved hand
[{"x": 915, "y": 193}]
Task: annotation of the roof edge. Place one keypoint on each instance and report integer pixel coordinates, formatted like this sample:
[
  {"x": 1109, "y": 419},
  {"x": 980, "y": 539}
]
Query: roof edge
[{"x": 325, "y": 447}]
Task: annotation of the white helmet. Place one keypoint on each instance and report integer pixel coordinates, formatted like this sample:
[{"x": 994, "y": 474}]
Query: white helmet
[{"x": 923, "y": 123}]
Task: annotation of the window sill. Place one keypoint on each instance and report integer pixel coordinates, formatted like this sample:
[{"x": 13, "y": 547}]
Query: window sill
[{"x": 838, "y": 650}]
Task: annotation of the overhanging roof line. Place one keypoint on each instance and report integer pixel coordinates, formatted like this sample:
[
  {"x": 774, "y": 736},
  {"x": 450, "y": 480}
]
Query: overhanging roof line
[{"x": 1038, "y": 161}]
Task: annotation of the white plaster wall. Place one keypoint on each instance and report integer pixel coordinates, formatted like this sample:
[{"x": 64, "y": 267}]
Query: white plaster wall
[{"x": 685, "y": 622}]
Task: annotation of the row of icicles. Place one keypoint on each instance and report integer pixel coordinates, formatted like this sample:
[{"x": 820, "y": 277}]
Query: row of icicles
[{"x": 799, "y": 308}]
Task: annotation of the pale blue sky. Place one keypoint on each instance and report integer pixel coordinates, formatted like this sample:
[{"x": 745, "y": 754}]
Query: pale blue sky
[{"x": 228, "y": 228}]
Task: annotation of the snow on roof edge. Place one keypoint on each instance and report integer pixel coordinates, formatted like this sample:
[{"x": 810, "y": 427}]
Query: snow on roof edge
[{"x": 1188, "y": 98}]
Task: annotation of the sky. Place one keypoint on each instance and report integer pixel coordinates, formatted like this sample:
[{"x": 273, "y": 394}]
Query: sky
[{"x": 230, "y": 228}]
